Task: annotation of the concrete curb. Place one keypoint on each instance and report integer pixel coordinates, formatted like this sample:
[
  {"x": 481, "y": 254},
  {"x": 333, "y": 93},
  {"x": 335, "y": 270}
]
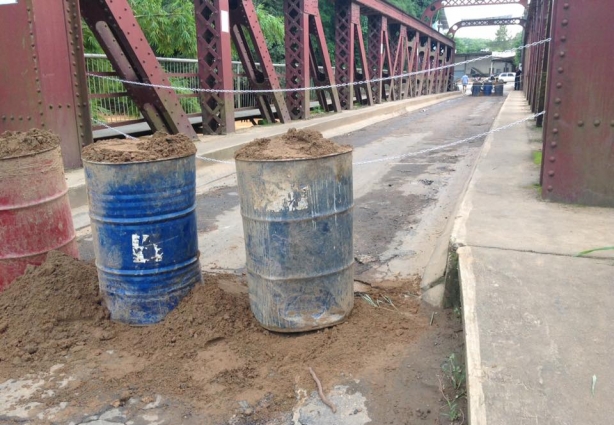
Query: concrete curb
[
  {"x": 224, "y": 147},
  {"x": 443, "y": 265}
]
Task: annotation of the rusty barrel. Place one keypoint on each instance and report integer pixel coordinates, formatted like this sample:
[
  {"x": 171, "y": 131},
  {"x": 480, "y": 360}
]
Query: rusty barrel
[
  {"x": 35, "y": 215},
  {"x": 298, "y": 224},
  {"x": 145, "y": 237}
]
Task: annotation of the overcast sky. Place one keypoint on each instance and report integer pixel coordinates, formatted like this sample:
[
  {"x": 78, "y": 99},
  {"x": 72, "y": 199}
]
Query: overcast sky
[{"x": 455, "y": 14}]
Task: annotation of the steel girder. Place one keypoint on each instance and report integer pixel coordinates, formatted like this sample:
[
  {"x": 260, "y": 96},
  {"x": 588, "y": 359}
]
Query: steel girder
[
  {"x": 122, "y": 39},
  {"x": 578, "y": 151},
  {"x": 437, "y": 5},
  {"x": 350, "y": 55},
  {"x": 535, "y": 61},
  {"x": 304, "y": 57},
  {"x": 396, "y": 15},
  {"x": 43, "y": 73},
  {"x": 424, "y": 43},
  {"x": 399, "y": 48},
  {"x": 215, "y": 65},
  {"x": 485, "y": 22},
  {"x": 378, "y": 54},
  {"x": 244, "y": 24},
  {"x": 412, "y": 45}
]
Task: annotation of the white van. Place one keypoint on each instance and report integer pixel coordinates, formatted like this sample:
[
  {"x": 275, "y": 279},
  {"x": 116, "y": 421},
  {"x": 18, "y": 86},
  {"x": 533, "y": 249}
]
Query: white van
[{"x": 508, "y": 77}]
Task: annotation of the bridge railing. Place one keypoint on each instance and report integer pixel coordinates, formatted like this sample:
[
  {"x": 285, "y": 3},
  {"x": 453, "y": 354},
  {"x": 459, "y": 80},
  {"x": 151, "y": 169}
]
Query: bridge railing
[{"x": 111, "y": 104}]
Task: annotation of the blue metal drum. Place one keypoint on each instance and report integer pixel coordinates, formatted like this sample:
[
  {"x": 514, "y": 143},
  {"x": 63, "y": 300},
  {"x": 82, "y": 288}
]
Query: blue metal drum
[
  {"x": 145, "y": 239},
  {"x": 298, "y": 224}
]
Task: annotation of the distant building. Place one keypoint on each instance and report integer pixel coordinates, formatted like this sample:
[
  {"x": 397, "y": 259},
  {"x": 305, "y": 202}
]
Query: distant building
[{"x": 498, "y": 63}]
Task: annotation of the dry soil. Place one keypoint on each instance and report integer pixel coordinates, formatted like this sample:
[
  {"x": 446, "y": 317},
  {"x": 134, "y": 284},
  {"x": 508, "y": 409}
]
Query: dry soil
[
  {"x": 295, "y": 144},
  {"x": 16, "y": 143},
  {"x": 160, "y": 146}
]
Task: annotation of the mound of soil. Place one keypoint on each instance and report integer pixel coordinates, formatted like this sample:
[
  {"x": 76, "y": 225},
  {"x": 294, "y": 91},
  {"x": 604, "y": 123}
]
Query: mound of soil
[
  {"x": 158, "y": 147},
  {"x": 42, "y": 310},
  {"x": 16, "y": 143},
  {"x": 209, "y": 352},
  {"x": 295, "y": 144}
]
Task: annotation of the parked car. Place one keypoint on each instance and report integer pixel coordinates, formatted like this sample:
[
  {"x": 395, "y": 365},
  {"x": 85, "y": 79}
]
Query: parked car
[{"x": 508, "y": 77}]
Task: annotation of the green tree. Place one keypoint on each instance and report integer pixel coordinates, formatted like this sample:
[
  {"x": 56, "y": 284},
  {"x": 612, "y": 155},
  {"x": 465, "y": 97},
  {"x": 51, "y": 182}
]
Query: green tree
[
  {"x": 472, "y": 45},
  {"x": 502, "y": 40}
]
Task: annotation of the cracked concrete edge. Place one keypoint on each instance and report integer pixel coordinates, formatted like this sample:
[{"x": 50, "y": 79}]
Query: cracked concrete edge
[
  {"x": 330, "y": 127},
  {"x": 473, "y": 357},
  {"x": 451, "y": 279}
]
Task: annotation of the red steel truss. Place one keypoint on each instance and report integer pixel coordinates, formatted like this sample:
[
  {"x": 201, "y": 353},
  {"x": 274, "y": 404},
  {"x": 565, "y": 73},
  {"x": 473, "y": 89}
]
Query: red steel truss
[
  {"x": 246, "y": 30},
  {"x": 122, "y": 39},
  {"x": 215, "y": 65},
  {"x": 307, "y": 58},
  {"x": 349, "y": 41}
]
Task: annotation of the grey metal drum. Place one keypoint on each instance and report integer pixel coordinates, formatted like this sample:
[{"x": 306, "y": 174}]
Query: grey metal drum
[{"x": 298, "y": 226}]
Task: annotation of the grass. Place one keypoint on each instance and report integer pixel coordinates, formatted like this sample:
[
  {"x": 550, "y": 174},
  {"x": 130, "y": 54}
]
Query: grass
[
  {"x": 455, "y": 374},
  {"x": 537, "y": 157},
  {"x": 377, "y": 303},
  {"x": 454, "y": 371},
  {"x": 590, "y": 251}
]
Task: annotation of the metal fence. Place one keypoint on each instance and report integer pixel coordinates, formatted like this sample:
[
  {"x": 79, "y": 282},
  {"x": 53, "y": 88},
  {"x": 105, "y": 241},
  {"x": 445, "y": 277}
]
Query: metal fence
[{"x": 111, "y": 104}]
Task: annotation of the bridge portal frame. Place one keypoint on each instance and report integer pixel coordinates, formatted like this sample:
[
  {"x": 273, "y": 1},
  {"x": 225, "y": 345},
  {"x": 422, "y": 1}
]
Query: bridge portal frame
[
  {"x": 484, "y": 23},
  {"x": 437, "y": 5}
]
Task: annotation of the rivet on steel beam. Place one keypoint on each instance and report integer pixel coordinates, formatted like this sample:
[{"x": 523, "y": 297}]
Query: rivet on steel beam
[
  {"x": 556, "y": 116},
  {"x": 551, "y": 173},
  {"x": 562, "y": 54},
  {"x": 552, "y": 159},
  {"x": 553, "y": 144},
  {"x": 559, "y": 85},
  {"x": 555, "y": 131},
  {"x": 557, "y": 100},
  {"x": 564, "y": 22},
  {"x": 563, "y": 38},
  {"x": 550, "y": 188},
  {"x": 597, "y": 123},
  {"x": 580, "y": 123},
  {"x": 612, "y": 123},
  {"x": 566, "y": 6},
  {"x": 3, "y": 117}
]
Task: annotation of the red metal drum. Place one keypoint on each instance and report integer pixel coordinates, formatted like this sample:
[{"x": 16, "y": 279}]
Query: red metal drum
[{"x": 35, "y": 215}]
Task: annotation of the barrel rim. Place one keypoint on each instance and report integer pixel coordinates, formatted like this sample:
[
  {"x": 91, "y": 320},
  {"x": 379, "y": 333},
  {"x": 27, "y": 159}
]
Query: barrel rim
[
  {"x": 297, "y": 159},
  {"x": 5, "y": 158},
  {"x": 137, "y": 162}
]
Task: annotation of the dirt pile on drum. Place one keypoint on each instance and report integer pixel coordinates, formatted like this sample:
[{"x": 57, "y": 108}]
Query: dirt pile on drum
[
  {"x": 15, "y": 143},
  {"x": 157, "y": 147},
  {"x": 295, "y": 144}
]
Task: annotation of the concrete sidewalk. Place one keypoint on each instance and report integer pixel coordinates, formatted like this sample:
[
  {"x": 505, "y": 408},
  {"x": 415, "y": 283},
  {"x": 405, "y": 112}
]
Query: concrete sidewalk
[{"x": 538, "y": 320}]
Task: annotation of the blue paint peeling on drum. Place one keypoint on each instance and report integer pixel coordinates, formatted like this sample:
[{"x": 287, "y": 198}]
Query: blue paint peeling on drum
[
  {"x": 145, "y": 237},
  {"x": 298, "y": 227}
]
